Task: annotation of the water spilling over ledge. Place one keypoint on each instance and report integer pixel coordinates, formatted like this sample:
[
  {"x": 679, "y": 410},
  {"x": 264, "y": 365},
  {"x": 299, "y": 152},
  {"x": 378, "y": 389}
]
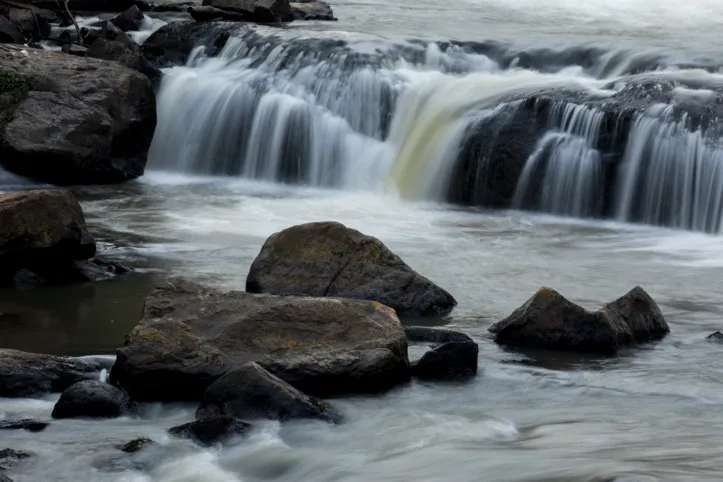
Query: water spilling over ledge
[{"x": 583, "y": 132}]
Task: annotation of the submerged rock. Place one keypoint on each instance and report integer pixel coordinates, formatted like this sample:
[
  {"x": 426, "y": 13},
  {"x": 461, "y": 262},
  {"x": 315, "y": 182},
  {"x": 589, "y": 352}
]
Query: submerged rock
[
  {"x": 190, "y": 335},
  {"x": 450, "y": 361},
  {"x": 136, "y": 444},
  {"x": 341, "y": 372},
  {"x": 131, "y": 19},
  {"x": 141, "y": 454},
  {"x": 5, "y": 478},
  {"x": 28, "y": 424},
  {"x": 92, "y": 398},
  {"x": 329, "y": 259},
  {"x": 101, "y": 114},
  {"x": 212, "y": 430},
  {"x": 9, "y": 458},
  {"x": 29, "y": 374},
  {"x": 250, "y": 392},
  {"x": 715, "y": 337},
  {"x": 549, "y": 320},
  {"x": 426, "y": 334},
  {"x": 312, "y": 11}
]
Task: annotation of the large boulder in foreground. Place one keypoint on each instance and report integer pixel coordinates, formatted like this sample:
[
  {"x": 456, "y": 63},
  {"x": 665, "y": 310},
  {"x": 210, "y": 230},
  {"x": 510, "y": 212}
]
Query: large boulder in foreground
[
  {"x": 73, "y": 120},
  {"x": 29, "y": 374},
  {"x": 250, "y": 392},
  {"x": 329, "y": 259},
  {"x": 92, "y": 398},
  {"x": 189, "y": 336},
  {"x": 549, "y": 320}
]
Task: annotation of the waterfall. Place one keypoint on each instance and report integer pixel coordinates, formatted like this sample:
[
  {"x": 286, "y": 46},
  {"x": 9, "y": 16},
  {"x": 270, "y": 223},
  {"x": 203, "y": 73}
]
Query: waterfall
[{"x": 474, "y": 123}]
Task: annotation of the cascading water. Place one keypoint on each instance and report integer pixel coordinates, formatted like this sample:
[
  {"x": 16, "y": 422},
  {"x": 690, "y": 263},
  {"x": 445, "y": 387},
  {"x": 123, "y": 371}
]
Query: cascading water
[{"x": 470, "y": 123}]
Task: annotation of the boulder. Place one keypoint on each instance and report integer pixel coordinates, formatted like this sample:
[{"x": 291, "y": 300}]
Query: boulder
[
  {"x": 206, "y": 14},
  {"x": 250, "y": 392},
  {"x": 190, "y": 335},
  {"x": 73, "y": 120},
  {"x": 136, "y": 445},
  {"x": 29, "y": 374},
  {"x": 9, "y": 457},
  {"x": 9, "y": 34},
  {"x": 715, "y": 337},
  {"x": 312, "y": 11},
  {"x": 426, "y": 334},
  {"x": 124, "y": 54},
  {"x": 209, "y": 431},
  {"x": 341, "y": 372},
  {"x": 92, "y": 398},
  {"x": 131, "y": 19},
  {"x": 33, "y": 23},
  {"x": 329, "y": 259},
  {"x": 549, "y": 320},
  {"x": 449, "y": 361},
  {"x": 262, "y": 11},
  {"x": 28, "y": 424},
  {"x": 172, "y": 44}
]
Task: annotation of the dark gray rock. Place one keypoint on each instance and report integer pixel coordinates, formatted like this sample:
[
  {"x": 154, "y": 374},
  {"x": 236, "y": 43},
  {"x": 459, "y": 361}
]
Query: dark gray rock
[
  {"x": 451, "y": 361},
  {"x": 124, "y": 54},
  {"x": 715, "y": 337},
  {"x": 549, "y": 320},
  {"x": 5, "y": 478},
  {"x": 33, "y": 23},
  {"x": 426, "y": 334},
  {"x": 136, "y": 445},
  {"x": 92, "y": 398},
  {"x": 9, "y": 458},
  {"x": 190, "y": 335},
  {"x": 102, "y": 117},
  {"x": 206, "y": 14},
  {"x": 210, "y": 431},
  {"x": 29, "y": 374},
  {"x": 9, "y": 32},
  {"x": 171, "y": 44},
  {"x": 312, "y": 11},
  {"x": 262, "y": 11},
  {"x": 251, "y": 392},
  {"x": 28, "y": 424},
  {"x": 131, "y": 19},
  {"x": 141, "y": 455},
  {"x": 342, "y": 372},
  {"x": 329, "y": 259}
]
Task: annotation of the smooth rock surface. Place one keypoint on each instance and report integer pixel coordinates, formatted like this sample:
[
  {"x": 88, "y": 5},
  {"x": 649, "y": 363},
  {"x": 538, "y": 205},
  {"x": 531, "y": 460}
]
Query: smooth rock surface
[
  {"x": 209, "y": 431},
  {"x": 450, "y": 361},
  {"x": 427, "y": 334},
  {"x": 92, "y": 398},
  {"x": 329, "y": 259},
  {"x": 549, "y": 320},
  {"x": 190, "y": 335},
  {"x": 73, "y": 120},
  {"x": 250, "y": 392},
  {"x": 29, "y": 374}
]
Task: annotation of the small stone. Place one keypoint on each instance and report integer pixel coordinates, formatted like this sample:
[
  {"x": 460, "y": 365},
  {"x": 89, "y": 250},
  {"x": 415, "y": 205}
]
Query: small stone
[
  {"x": 212, "y": 430},
  {"x": 25, "y": 424},
  {"x": 136, "y": 444}
]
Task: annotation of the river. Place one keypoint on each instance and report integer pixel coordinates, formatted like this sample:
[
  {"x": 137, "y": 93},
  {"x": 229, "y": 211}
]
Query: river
[{"x": 323, "y": 143}]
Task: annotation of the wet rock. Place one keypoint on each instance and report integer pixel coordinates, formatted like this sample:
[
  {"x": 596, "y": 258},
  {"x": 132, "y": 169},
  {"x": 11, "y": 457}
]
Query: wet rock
[
  {"x": 449, "y": 361},
  {"x": 124, "y": 54},
  {"x": 206, "y": 14},
  {"x": 343, "y": 372},
  {"x": 210, "y": 431},
  {"x": 329, "y": 259},
  {"x": 172, "y": 43},
  {"x": 256, "y": 10},
  {"x": 312, "y": 11},
  {"x": 92, "y": 398},
  {"x": 31, "y": 22},
  {"x": 426, "y": 334},
  {"x": 549, "y": 320},
  {"x": 28, "y": 424},
  {"x": 101, "y": 114},
  {"x": 190, "y": 335},
  {"x": 5, "y": 478},
  {"x": 99, "y": 269},
  {"x": 136, "y": 444},
  {"x": 715, "y": 337},
  {"x": 251, "y": 392},
  {"x": 73, "y": 49},
  {"x": 28, "y": 374},
  {"x": 131, "y": 19},
  {"x": 9, "y": 458}
]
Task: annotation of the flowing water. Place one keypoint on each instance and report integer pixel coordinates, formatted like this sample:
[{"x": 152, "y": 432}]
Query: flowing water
[{"x": 497, "y": 146}]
